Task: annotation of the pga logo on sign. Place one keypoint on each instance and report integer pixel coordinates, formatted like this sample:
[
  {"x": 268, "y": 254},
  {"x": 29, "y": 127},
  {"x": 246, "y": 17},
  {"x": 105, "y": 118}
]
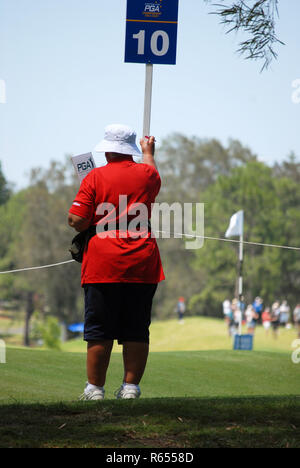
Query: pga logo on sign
[
  {"x": 85, "y": 165},
  {"x": 152, "y": 7}
]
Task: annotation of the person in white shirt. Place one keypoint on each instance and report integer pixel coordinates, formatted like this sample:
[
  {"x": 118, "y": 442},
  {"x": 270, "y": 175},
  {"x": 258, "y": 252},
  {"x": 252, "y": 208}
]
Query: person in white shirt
[
  {"x": 284, "y": 314},
  {"x": 251, "y": 318},
  {"x": 228, "y": 316},
  {"x": 296, "y": 315}
]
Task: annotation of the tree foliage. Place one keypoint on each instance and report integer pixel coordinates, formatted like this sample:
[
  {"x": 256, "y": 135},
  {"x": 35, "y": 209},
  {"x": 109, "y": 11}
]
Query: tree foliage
[
  {"x": 188, "y": 167},
  {"x": 5, "y": 189},
  {"x": 256, "y": 18},
  {"x": 227, "y": 179},
  {"x": 271, "y": 217},
  {"x": 35, "y": 232}
]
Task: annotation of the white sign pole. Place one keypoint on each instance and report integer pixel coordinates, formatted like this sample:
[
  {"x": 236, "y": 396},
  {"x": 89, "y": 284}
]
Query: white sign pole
[{"x": 148, "y": 99}]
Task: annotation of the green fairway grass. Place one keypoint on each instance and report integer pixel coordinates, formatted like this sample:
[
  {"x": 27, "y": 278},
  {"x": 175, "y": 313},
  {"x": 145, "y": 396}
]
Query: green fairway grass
[
  {"x": 189, "y": 399},
  {"x": 200, "y": 333},
  {"x": 209, "y": 397},
  {"x": 32, "y": 375}
]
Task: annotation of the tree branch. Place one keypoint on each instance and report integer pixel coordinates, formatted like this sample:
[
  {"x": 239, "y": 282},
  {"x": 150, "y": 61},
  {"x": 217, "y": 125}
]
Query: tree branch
[{"x": 256, "y": 18}]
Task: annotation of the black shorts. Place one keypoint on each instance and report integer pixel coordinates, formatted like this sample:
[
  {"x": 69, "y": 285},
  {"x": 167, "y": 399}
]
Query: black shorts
[{"x": 120, "y": 311}]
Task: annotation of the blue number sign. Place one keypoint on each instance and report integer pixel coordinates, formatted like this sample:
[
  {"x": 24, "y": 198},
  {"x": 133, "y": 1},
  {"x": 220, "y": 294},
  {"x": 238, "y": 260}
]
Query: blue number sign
[{"x": 151, "y": 31}]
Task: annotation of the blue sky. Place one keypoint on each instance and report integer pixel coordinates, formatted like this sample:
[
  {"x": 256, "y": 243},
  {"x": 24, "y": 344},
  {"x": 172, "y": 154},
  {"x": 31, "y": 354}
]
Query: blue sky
[{"x": 63, "y": 65}]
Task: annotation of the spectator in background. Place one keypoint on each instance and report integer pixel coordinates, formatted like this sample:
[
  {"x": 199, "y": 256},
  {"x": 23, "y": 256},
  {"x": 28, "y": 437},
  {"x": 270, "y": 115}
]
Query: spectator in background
[
  {"x": 181, "y": 309},
  {"x": 237, "y": 313},
  {"x": 258, "y": 306},
  {"x": 251, "y": 319},
  {"x": 296, "y": 316},
  {"x": 284, "y": 314},
  {"x": 242, "y": 306},
  {"x": 228, "y": 316},
  {"x": 266, "y": 319},
  {"x": 275, "y": 316}
]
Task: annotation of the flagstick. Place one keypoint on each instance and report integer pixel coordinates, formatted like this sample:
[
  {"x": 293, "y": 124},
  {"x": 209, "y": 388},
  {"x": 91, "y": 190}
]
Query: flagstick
[
  {"x": 148, "y": 99},
  {"x": 241, "y": 255},
  {"x": 241, "y": 258}
]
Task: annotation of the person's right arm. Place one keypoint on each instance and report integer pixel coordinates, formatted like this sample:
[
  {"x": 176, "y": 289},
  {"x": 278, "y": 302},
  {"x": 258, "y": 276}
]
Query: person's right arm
[
  {"x": 81, "y": 213},
  {"x": 78, "y": 222}
]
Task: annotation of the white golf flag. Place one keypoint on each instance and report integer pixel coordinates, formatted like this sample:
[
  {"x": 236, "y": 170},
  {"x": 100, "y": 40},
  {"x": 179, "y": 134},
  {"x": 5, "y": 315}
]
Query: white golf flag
[{"x": 236, "y": 225}]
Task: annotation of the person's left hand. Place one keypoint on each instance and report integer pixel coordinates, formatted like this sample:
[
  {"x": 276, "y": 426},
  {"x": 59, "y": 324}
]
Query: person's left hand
[{"x": 148, "y": 145}]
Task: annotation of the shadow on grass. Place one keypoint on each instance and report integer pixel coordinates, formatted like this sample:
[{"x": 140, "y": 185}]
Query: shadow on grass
[{"x": 154, "y": 423}]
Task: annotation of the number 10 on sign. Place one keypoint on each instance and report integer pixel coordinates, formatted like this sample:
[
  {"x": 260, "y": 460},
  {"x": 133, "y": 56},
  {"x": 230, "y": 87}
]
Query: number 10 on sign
[{"x": 159, "y": 43}]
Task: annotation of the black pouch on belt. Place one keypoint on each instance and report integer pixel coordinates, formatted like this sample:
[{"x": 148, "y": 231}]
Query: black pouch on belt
[{"x": 80, "y": 243}]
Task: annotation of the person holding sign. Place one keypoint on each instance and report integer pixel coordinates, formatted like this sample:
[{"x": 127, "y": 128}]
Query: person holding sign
[{"x": 121, "y": 266}]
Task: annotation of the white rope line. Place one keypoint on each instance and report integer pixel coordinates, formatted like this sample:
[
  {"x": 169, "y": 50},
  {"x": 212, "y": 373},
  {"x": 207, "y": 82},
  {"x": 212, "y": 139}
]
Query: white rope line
[
  {"x": 231, "y": 240},
  {"x": 165, "y": 232},
  {"x": 36, "y": 268}
]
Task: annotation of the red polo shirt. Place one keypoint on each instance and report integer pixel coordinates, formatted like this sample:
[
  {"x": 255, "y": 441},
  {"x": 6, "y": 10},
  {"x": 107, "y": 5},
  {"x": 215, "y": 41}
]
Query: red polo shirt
[{"x": 116, "y": 257}]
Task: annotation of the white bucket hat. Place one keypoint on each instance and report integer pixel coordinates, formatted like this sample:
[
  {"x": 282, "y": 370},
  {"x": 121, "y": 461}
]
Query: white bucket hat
[{"x": 118, "y": 139}]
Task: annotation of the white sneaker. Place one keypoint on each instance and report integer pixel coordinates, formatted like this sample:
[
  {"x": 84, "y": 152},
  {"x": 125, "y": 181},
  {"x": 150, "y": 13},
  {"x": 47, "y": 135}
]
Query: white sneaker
[
  {"x": 92, "y": 395},
  {"x": 127, "y": 392}
]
